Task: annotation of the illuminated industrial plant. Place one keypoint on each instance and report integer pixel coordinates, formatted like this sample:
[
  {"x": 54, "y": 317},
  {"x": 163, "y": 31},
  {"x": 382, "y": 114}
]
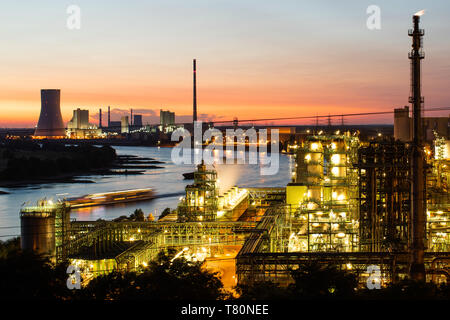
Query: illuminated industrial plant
[{"x": 351, "y": 203}]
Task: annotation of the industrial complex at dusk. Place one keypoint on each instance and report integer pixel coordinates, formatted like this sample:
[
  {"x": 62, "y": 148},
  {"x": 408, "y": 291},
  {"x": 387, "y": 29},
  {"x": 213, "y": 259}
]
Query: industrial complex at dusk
[{"x": 360, "y": 205}]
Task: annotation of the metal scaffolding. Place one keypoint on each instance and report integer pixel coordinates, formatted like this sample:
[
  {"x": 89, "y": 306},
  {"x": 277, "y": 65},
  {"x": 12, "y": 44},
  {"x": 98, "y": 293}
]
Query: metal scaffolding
[{"x": 384, "y": 195}]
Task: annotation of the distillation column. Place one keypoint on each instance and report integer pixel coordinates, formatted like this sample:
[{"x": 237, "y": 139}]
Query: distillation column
[{"x": 418, "y": 217}]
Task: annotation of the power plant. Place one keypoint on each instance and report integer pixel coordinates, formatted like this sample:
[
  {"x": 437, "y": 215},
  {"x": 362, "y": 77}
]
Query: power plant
[{"x": 50, "y": 124}]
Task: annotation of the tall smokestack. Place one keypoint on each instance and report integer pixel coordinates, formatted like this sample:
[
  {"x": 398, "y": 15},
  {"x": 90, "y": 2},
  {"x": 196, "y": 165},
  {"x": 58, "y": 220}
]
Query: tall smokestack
[
  {"x": 100, "y": 117},
  {"x": 195, "y": 90},
  {"x": 131, "y": 116},
  {"x": 417, "y": 216},
  {"x": 109, "y": 117}
]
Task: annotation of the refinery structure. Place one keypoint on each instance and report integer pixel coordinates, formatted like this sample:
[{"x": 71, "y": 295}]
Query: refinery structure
[{"x": 352, "y": 203}]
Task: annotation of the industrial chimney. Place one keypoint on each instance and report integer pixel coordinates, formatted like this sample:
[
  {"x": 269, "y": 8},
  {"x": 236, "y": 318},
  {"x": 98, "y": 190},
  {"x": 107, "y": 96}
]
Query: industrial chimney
[
  {"x": 195, "y": 91},
  {"x": 109, "y": 116},
  {"x": 50, "y": 122},
  {"x": 417, "y": 215},
  {"x": 100, "y": 117}
]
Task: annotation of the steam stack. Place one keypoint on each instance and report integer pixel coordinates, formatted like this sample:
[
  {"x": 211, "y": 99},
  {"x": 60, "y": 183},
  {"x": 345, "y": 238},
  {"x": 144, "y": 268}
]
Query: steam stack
[
  {"x": 50, "y": 124},
  {"x": 417, "y": 216},
  {"x": 195, "y": 91}
]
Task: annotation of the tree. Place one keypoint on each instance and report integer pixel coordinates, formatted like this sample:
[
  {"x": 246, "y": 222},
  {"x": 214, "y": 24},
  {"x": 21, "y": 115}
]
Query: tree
[
  {"x": 138, "y": 215},
  {"x": 407, "y": 289},
  {"x": 314, "y": 280},
  {"x": 264, "y": 290},
  {"x": 165, "y": 278},
  {"x": 25, "y": 275}
]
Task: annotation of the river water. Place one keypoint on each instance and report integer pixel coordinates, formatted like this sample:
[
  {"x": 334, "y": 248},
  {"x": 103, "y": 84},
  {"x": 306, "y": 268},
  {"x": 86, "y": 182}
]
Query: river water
[{"x": 167, "y": 182}]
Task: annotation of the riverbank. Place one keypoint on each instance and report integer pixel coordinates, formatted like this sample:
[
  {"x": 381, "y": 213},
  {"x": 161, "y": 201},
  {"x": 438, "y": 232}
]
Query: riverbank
[{"x": 25, "y": 163}]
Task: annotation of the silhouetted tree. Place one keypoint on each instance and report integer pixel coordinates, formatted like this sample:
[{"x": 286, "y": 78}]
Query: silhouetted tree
[
  {"x": 164, "y": 279},
  {"x": 314, "y": 280},
  {"x": 265, "y": 290},
  {"x": 138, "y": 215},
  {"x": 408, "y": 290},
  {"x": 25, "y": 275}
]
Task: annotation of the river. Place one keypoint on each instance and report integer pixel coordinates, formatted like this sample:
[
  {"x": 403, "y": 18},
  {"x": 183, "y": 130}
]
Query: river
[{"x": 167, "y": 182}]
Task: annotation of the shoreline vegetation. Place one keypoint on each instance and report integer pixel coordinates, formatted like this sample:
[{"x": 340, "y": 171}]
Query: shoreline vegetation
[
  {"x": 169, "y": 277},
  {"x": 28, "y": 162}
]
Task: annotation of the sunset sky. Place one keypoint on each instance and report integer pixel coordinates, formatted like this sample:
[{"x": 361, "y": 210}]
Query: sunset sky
[{"x": 255, "y": 58}]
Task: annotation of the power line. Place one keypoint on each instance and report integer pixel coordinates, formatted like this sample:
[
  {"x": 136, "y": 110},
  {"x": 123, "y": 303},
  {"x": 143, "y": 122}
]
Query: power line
[
  {"x": 330, "y": 116},
  {"x": 341, "y": 116}
]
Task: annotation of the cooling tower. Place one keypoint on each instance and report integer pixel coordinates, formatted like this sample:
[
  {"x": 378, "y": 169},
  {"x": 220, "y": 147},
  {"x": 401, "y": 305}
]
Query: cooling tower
[{"x": 50, "y": 122}]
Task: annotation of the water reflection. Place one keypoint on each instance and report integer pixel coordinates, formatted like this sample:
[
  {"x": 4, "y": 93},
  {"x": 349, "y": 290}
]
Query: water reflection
[{"x": 168, "y": 183}]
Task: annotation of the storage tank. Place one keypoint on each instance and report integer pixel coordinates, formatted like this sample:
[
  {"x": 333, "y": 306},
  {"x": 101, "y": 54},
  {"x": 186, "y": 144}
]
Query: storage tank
[{"x": 37, "y": 232}]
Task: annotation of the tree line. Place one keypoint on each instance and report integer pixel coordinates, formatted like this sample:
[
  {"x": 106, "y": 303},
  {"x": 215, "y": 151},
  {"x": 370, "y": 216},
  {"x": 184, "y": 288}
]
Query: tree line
[{"x": 25, "y": 275}]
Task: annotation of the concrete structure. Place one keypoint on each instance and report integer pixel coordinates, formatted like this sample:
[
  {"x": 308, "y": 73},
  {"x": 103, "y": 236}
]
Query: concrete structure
[
  {"x": 402, "y": 124},
  {"x": 430, "y": 125},
  {"x": 80, "y": 119},
  {"x": 50, "y": 124},
  {"x": 440, "y": 125},
  {"x": 137, "y": 121},
  {"x": 80, "y": 128},
  {"x": 115, "y": 126},
  {"x": 124, "y": 125},
  {"x": 166, "y": 118}
]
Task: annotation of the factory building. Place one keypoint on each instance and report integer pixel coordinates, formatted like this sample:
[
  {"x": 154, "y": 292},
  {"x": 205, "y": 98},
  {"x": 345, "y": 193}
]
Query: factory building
[
  {"x": 431, "y": 125},
  {"x": 166, "y": 121},
  {"x": 80, "y": 128},
  {"x": 124, "y": 124},
  {"x": 323, "y": 194},
  {"x": 137, "y": 121},
  {"x": 50, "y": 124}
]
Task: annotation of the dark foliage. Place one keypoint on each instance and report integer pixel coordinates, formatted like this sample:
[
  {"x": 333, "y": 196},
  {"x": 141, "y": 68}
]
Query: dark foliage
[
  {"x": 163, "y": 279},
  {"x": 24, "y": 276},
  {"x": 52, "y": 159},
  {"x": 322, "y": 281}
]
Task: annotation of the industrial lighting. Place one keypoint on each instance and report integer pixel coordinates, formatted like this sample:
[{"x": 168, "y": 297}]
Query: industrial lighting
[
  {"x": 335, "y": 171},
  {"x": 335, "y": 159},
  {"x": 220, "y": 213},
  {"x": 314, "y": 146}
]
